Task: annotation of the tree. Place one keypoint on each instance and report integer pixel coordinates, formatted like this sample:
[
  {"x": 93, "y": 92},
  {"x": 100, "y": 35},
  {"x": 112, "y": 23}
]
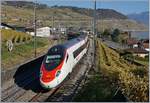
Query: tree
[
  {"x": 115, "y": 35},
  {"x": 106, "y": 33}
]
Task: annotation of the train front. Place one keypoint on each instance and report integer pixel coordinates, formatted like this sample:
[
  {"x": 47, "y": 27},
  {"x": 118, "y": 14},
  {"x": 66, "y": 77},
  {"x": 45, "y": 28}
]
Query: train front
[{"x": 51, "y": 67}]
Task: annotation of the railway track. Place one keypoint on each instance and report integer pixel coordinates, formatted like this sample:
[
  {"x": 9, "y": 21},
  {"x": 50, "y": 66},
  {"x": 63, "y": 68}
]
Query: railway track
[
  {"x": 41, "y": 97},
  {"x": 21, "y": 81},
  {"x": 14, "y": 92}
]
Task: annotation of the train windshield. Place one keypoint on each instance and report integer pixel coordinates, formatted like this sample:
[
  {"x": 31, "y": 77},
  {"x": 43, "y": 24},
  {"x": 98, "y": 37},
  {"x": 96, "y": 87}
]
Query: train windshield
[{"x": 53, "y": 58}]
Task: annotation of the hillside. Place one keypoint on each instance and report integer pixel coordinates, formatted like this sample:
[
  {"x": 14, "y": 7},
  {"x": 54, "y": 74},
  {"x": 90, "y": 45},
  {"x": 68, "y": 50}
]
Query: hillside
[
  {"x": 65, "y": 16},
  {"x": 23, "y": 4},
  {"x": 132, "y": 79},
  {"x": 100, "y": 13}
]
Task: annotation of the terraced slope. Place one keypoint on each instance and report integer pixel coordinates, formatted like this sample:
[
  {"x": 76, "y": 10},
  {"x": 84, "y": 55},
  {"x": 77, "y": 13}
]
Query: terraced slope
[
  {"x": 67, "y": 16},
  {"x": 131, "y": 79}
]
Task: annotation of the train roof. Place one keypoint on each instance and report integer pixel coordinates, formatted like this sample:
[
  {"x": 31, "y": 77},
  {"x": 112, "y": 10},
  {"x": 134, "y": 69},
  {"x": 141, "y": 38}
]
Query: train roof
[
  {"x": 72, "y": 42},
  {"x": 67, "y": 45}
]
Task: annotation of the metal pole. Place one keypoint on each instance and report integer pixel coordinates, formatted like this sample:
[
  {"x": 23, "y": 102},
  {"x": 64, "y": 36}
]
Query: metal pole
[
  {"x": 94, "y": 23},
  {"x": 35, "y": 28},
  {"x": 94, "y": 29},
  {"x": 94, "y": 18},
  {"x": 53, "y": 23}
]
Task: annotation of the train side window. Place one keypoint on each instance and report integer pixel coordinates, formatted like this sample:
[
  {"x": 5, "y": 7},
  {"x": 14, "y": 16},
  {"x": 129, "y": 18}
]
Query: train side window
[{"x": 67, "y": 58}]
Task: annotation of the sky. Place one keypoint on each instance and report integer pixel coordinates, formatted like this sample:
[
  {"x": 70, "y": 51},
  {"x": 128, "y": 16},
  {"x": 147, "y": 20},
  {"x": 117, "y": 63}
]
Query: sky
[{"x": 123, "y": 6}]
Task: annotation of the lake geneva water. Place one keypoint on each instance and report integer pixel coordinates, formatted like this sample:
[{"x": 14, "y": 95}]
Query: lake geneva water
[{"x": 140, "y": 34}]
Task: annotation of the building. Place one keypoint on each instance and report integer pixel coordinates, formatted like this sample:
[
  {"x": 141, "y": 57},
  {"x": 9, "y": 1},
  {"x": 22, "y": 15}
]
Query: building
[
  {"x": 19, "y": 28},
  {"x": 138, "y": 52},
  {"x": 146, "y": 46},
  {"x": 13, "y": 27},
  {"x": 40, "y": 32},
  {"x": 6, "y": 26},
  {"x": 132, "y": 43},
  {"x": 30, "y": 31},
  {"x": 43, "y": 32},
  {"x": 63, "y": 30}
]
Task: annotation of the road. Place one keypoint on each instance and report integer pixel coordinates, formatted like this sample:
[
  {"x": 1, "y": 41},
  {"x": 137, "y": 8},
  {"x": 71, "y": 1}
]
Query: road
[{"x": 114, "y": 45}]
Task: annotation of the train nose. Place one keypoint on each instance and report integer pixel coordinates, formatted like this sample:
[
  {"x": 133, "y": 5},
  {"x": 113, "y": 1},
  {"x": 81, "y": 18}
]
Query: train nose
[
  {"x": 44, "y": 85},
  {"x": 49, "y": 85},
  {"x": 47, "y": 78}
]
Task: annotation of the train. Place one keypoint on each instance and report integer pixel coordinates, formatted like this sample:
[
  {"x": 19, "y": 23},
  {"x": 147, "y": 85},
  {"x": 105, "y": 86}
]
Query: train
[{"x": 60, "y": 60}]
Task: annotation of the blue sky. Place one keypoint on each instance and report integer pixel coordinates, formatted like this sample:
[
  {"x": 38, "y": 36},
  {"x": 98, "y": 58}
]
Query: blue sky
[{"x": 123, "y": 6}]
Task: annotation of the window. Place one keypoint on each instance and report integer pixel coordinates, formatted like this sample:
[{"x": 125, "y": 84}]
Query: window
[
  {"x": 51, "y": 58},
  {"x": 54, "y": 57},
  {"x": 79, "y": 50},
  {"x": 52, "y": 61}
]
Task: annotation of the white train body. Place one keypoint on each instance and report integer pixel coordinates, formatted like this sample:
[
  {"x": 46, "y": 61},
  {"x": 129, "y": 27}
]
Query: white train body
[{"x": 70, "y": 53}]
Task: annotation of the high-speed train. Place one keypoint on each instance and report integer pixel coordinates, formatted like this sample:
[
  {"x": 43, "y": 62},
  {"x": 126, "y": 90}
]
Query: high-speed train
[{"x": 60, "y": 60}]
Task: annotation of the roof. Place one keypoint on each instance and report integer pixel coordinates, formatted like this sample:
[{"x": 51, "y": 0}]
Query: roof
[
  {"x": 66, "y": 45},
  {"x": 146, "y": 45},
  {"x": 132, "y": 41},
  {"x": 137, "y": 50},
  {"x": 72, "y": 42},
  {"x": 4, "y": 24},
  {"x": 29, "y": 29},
  {"x": 145, "y": 40}
]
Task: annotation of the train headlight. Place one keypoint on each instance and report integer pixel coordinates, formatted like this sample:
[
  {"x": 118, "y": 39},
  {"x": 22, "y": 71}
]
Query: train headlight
[{"x": 58, "y": 73}]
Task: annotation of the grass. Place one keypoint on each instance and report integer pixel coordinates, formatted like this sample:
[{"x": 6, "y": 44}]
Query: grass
[
  {"x": 97, "y": 89},
  {"x": 135, "y": 59},
  {"x": 22, "y": 52},
  {"x": 143, "y": 61}
]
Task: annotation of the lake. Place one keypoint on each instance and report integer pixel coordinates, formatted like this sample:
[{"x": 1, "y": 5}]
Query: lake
[{"x": 140, "y": 34}]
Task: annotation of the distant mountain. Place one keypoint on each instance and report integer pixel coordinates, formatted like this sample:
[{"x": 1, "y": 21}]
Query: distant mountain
[{"x": 142, "y": 17}]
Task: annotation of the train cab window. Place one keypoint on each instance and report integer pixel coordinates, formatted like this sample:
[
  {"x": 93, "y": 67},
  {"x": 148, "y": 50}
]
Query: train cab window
[
  {"x": 67, "y": 58},
  {"x": 53, "y": 58}
]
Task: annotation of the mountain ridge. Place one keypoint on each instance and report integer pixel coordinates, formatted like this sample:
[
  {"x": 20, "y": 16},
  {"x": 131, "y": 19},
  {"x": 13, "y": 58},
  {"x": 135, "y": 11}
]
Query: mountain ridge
[
  {"x": 100, "y": 13},
  {"x": 142, "y": 17},
  {"x": 65, "y": 16}
]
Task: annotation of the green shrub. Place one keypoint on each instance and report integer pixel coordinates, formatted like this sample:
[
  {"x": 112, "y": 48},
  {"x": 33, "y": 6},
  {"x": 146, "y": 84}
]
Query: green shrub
[
  {"x": 24, "y": 39},
  {"x": 140, "y": 71}
]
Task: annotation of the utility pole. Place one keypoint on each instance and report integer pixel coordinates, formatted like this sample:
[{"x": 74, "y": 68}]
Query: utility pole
[
  {"x": 94, "y": 30},
  {"x": 35, "y": 28},
  {"x": 94, "y": 26},
  {"x": 53, "y": 24}
]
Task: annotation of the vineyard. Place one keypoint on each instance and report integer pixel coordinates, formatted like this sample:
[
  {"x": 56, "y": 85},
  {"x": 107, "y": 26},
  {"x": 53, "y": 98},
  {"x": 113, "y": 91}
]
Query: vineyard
[
  {"x": 130, "y": 78},
  {"x": 14, "y": 36},
  {"x": 23, "y": 47}
]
